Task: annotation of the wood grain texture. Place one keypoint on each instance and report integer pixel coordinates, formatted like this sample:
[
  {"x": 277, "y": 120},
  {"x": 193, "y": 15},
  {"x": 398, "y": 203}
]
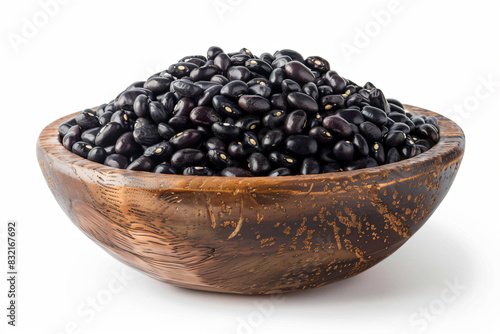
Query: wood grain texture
[{"x": 257, "y": 235}]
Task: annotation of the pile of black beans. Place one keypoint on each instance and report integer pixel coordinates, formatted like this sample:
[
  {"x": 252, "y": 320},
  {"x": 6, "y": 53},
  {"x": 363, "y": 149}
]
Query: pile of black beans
[{"x": 236, "y": 114}]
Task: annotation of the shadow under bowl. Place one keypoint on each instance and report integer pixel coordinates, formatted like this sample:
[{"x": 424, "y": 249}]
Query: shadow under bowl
[{"x": 257, "y": 235}]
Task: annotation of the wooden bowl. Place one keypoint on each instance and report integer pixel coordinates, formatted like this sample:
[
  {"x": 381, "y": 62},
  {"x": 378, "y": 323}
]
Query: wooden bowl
[{"x": 256, "y": 235}]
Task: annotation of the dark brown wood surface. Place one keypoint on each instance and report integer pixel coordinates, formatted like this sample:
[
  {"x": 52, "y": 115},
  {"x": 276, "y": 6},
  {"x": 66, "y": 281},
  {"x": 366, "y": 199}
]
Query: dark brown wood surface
[{"x": 255, "y": 235}]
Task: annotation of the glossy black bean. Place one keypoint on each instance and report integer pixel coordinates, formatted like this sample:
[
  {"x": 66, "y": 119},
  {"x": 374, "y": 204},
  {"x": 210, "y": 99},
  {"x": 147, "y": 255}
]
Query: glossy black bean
[
  {"x": 198, "y": 171},
  {"x": 296, "y": 122},
  {"x": 158, "y": 113},
  {"x": 116, "y": 161},
  {"x": 254, "y": 104},
  {"x": 126, "y": 145},
  {"x": 121, "y": 118},
  {"x": 189, "y": 138},
  {"x": 378, "y": 153},
  {"x": 165, "y": 168},
  {"x": 168, "y": 102},
  {"x": 428, "y": 131},
  {"x": 278, "y": 101},
  {"x": 234, "y": 89},
  {"x": 272, "y": 139},
  {"x": 213, "y": 51},
  {"x": 298, "y": 72},
  {"x": 141, "y": 106},
  {"x": 397, "y": 117},
  {"x": 394, "y": 138},
  {"x": 401, "y": 127},
  {"x": 160, "y": 152},
  {"x": 370, "y": 131},
  {"x": 204, "y": 116},
  {"x": 141, "y": 121},
  {"x": 310, "y": 166},
  {"x": 181, "y": 69},
  {"x": 351, "y": 115},
  {"x": 408, "y": 149},
  {"x": 396, "y": 108},
  {"x": 127, "y": 98},
  {"x": 431, "y": 120},
  {"x": 220, "y": 79},
  {"x": 294, "y": 55},
  {"x": 180, "y": 123},
  {"x": 267, "y": 57},
  {"x": 279, "y": 159},
  {"x": 395, "y": 102},
  {"x": 236, "y": 172},
  {"x": 343, "y": 151},
  {"x": 247, "y": 123},
  {"x": 375, "y": 115},
  {"x": 281, "y": 171},
  {"x": 392, "y": 156},
  {"x": 238, "y": 151},
  {"x": 360, "y": 145},
  {"x": 280, "y": 62},
  {"x": 229, "y": 120},
  {"x": 353, "y": 100},
  {"x": 142, "y": 163},
  {"x": 314, "y": 121},
  {"x": 97, "y": 154},
  {"x": 87, "y": 119},
  {"x": 331, "y": 102},
  {"x": 111, "y": 149},
  {"x": 321, "y": 135},
  {"x": 108, "y": 134},
  {"x": 298, "y": 100},
  {"x": 258, "y": 164},
  {"x": 335, "y": 81},
  {"x": 225, "y": 131},
  {"x": 311, "y": 89},
  {"x": 89, "y": 135},
  {"x": 377, "y": 99},
  {"x": 424, "y": 142},
  {"x": 365, "y": 162},
  {"x": 226, "y": 107},
  {"x": 421, "y": 149},
  {"x": 166, "y": 131},
  {"x": 147, "y": 135},
  {"x": 332, "y": 167},
  {"x": 158, "y": 85},
  {"x": 105, "y": 118},
  {"x": 325, "y": 90},
  {"x": 187, "y": 89},
  {"x": 100, "y": 110},
  {"x": 204, "y": 84},
  {"x": 215, "y": 143},
  {"x": 318, "y": 64},
  {"x": 219, "y": 159},
  {"x": 203, "y": 73},
  {"x": 289, "y": 86},
  {"x": 191, "y": 57},
  {"x": 251, "y": 140},
  {"x": 301, "y": 146},
  {"x": 417, "y": 120},
  {"x": 222, "y": 61},
  {"x": 187, "y": 157},
  {"x": 261, "y": 90},
  {"x": 274, "y": 119},
  {"x": 238, "y": 73},
  {"x": 259, "y": 66},
  {"x": 63, "y": 129},
  {"x": 205, "y": 99},
  {"x": 81, "y": 148},
  {"x": 337, "y": 126}
]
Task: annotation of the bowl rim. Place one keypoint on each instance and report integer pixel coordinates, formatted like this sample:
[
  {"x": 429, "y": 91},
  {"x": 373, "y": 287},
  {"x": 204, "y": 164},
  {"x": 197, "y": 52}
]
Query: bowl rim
[{"x": 451, "y": 143}]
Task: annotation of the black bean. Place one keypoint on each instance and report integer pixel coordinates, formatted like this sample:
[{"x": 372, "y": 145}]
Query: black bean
[
  {"x": 398, "y": 109},
  {"x": 203, "y": 73},
  {"x": 258, "y": 164},
  {"x": 331, "y": 102},
  {"x": 375, "y": 115},
  {"x": 97, "y": 154},
  {"x": 147, "y": 135},
  {"x": 295, "y": 122},
  {"x": 298, "y": 72},
  {"x": 87, "y": 119},
  {"x": 142, "y": 163},
  {"x": 392, "y": 156},
  {"x": 408, "y": 149},
  {"x": 259, "y": 66},
  {"x": 220, "y": 79},
  {"x": 187, "y": 157},
  {"x": 127, "y": 98},
  {"x": 189, "y": 138},
  {"x": 272, "y": 139},
  {"x": 89, "y": 135},
  {"x": 225, "y": 131},
  {"x": 343, "y": 151},
  {"x": 365, "y": 162},
  {"x": 222, "y": 61},
  {"x": 294, "y": 55},
  {"x": 428, "y": 131},
  {"x": 81, "y": 148},
  {"x": 321, "y": 135},
  {"x": 160, "y": 152},
  {"x": 247, "y": 123},
  {"x": 105, "y": 118},
  {"x": 279, "y": 159},
  {"x": 166, "y": 131},
  {"x": 378, "y": 100},
  {"x": 394, "y": 138},
  {"x": 332, "y": 167},
  {"x": 261, "y": 90},
  {"x": 351, "y": 115},
  {"x": 395, "y": 102},
  {"x": 121, "y": 118},
  {"x": 335, "y": 81},
  {"x": 401, "y": 127},
  {"x": 360, "y": 145},
  {"x": 417, "y": 120},
  {"x": 326, "y": 90},
  {"x": 238, "y": 151},
  {"x": 234, "y": 89},
  {"x": 63, "y": 128},
  {"x": 377, "y": 151},
  {"x": 289, "y": 86},
  {"x": 116, "y": 161},
  {"x": 165, "y": 168},
  {"x": 198, "y": 170},
  {"x": 276, "y": 79},
  {"x": 226, "y": 107},
  {"x": 299, "y": 100},
  {"x": 338, "y": 126},
  {"x": 141, "y": 106},
  {"x": 301, "y": 146},
  {"x": 311, "y": 89},
  {"x": 205, "y": 99},
  {"x": 281, "y": 171},
  {"x": 370, "y": 131},
  {"x": 431, "y": 120},
  {"x": 310, "y": 166},
  {"x": 141, "y": 121},
  {"x": 158, "y": 85},
  {"x": 397, "y": 117},
  {"x": 180, "y": 122},
  {"x": 251, "y": 140},
  {"x": 181, "y": 69},
  {"x": 108, "y": 134},
  {"x": 254, "y": 104},
  {"x": 238, "y": 73},
  {"x": 187, "y": 89},
  {"x": 204, "y": 115},
  {"x": 168, "y": 102},
  {"x": 236, "y": 172},
  {"x": 314, "y": 120},
  {"x": 126, "y": 145},
  {"x": 213, "y": 51}
]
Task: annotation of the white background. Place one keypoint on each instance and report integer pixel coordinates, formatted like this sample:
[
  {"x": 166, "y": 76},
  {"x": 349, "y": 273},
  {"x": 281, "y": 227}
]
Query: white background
[{"x": 434, "y": 54}]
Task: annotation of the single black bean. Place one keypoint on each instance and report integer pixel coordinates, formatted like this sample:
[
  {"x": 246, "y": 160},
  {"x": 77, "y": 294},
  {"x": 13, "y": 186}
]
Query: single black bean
[
  {"x": 89, "y": 135},
  {"x": 370, "y": 131},
  {"x": 168, "y": 102},
  {"x": 395, "y": 102},
  {"x": 226, "y": 107},
  {"x": 280, "y": 62},
  {"x": 351, "y": 115},
  {"x": 219, "y": 159},
  {"x": 338, "y": 126},
  {"x": 272, "y": 139},
  {"x": 225, "y": 131},
  {"x": 377, "y": 99},
  {"x": 281, "y": 171},
  {"x": 279, "y": 159},
  {"x": 375, "y": 115},
  {"x": 165, "y": 168},
  {"x": 141, "y": 163},
  {"x": 126, "y": 145},
  {"x": 236, "y": 172},
  {"x": 234, "y": 89},
  {"x": 332, "y": 167},
  {"x": 311, "y": 89},
  {"x": 181, "y": 69},
  {"x": 296, "y": 122},
  {"x": 141, "y": 121},
  {"x": 397, "y": 117},
  {"x": 258, "y": 164},
  {"x": 276, "y": 79},
  {"x": 310, "y": 166},
  {"x": 187, "y": 89},
  {"x": 81, "y": 148},
  {"x": 222, "y": 61},
  {"x": 428, "y": 131},
  {"x": 127, "y": 98},
  {"x": 294, "y": 55},
  {"x": 203, "y": 73},
  {"x": 238, "y": 151},
  {"x": 325, "y": 90},
  {"x": 189, "y": 138},
  {"x": 205, "y": 99},
  {"x": 166, "y": 131},
  {"x": 335, "y": 81},
  {"x": 301, "y": 146},
  {"x": 158, "y": 85},
  {"x": 180, "y": 122},
  {"x": 431, "y": 120},
  {"x": 121, "y": 118},
  {"x": 278, "y": 101},
  {"x": 360, "y": 145},
  {"x": 160, "y": 152},
  {"x": 343, "y": 151},
  {"x": 259, "y": 66},
  {"x": 204, "y": 115},
  {"x": 254, "y": 104},
  {"x": 87, "y": 119},
  {"x": 187, "y": 157},
  {"x": 97, "y": 154},
  {"x": 417, "y": 120},
  {"x": 147, "y": 135},
  {"x": 392, "y": 156},
  {"x": 377, "y": 151},
  {"x": 105, "y": 118},
  {"x": 298, "y": 72},
  {"x": 299, "y": 100},
  {"x": 63, "y": 128},
  {"x": 108, "y": 134},
  {"x": 396, "y": 108},
  {"x": 213, "y": 51},
  {"x": 394, "y": 138},
  {"x": 251, "y": 140},
  {"x": 365, "y": 162},
  {"x": 321, "y": 135},
  {"x": 215, "y": 143},
  {"x": 116, "y": 161},
  {"x": 247, "y": 123},
  {"x": 198, "y": 171},
  {"x": 141, "y": 106},
  {"x": 289, "y": 86},
  {"x": 401, "y": 127},
  {"x": 238, "y": 73},
  {"x": 408, "y": 149},
  {"x": 331, "y": 102},
  {"x": 261, "y": 90},
  {"x": 220, "y": 79}
]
